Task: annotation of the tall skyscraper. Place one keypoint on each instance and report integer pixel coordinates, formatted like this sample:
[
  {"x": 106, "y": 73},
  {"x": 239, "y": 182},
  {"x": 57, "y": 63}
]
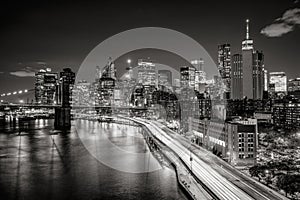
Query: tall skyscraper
[
  {"x": 109, "y": 70},
  {"x": 200, "y": 75},
  {"x": 237, "y": 77},
  {"x": 224, "y": 64},
  {"x": 247, "y": 54},
  {"x": 258, "y": 75},
  {"x": 81, "y": 94},
  {"x": 45, "y": 86},
  {"x": 187, "y": 76},
  {"x": 146, "y": 73}
]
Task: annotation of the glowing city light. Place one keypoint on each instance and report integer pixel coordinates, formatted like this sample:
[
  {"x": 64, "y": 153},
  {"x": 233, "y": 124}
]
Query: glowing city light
[
  {"x": 8, "y": 94},
  {"x": 14, "y": 92},
  {"x": 25, "y": 90},
  {"x": 21, "y": 101},
  {"x": 20, "y": 92},
  {"x": 129, "y": 61}
]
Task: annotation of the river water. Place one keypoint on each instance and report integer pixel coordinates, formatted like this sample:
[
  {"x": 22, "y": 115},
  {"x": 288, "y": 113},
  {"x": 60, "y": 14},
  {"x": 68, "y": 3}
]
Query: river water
[{"x": 37, "y": 163}]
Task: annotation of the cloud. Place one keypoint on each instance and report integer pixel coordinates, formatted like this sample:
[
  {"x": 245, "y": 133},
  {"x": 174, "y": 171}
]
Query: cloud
[
  {"x": 277, "y": 30},
  {"x": 41, "y": 63},
  {"x": 284, "y": 24},
  {"x": 291, "y": 16},
  {"x": 26, "y": 72}
]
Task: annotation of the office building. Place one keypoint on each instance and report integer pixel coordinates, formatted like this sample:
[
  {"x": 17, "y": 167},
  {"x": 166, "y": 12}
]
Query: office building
[
  {"x": 286, "y": 113},
  {"x": 200, "y": 75},
  {"x": 108, "y": 71},
  {"x": 147, "y": 73},
  {"x": 187, "y": 77},
  {"x": 278, "y": 81},
  {"x": 237, "y": 77},
  {"x": 45, "y": 86},
  {"x": 224, "y": 64},
  {"x": 258, "y": 75},
  {"x": 234, "y": 141},
  {"x": 294, "y": 87},
  {"x": 247, "y": 54},
  {"x": 242, "y": 141},
  {"x": 81, "y": 93}
]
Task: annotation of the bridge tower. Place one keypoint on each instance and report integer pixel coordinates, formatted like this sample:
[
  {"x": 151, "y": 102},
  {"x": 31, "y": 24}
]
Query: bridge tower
[{"x": 63, "y": 114}]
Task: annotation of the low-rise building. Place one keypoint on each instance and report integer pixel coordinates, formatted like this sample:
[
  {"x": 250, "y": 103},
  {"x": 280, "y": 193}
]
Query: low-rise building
[{"x": 234, "y": 141}]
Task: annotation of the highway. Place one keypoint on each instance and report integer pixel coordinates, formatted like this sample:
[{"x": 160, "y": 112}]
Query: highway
[
  {"x": 220, "y": 186},
  {"x": 252, "y": 187}
]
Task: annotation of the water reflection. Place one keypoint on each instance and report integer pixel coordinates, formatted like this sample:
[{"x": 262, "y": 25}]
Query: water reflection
[{"x": 40, "y": 165}]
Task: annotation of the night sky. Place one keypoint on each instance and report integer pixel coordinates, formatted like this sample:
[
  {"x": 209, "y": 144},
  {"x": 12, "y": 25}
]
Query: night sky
[{"x": 60, "y": 34}]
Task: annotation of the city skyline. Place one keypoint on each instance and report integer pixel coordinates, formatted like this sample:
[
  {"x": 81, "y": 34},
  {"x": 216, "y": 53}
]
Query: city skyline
[
  {"x": 150, "y": 100},
  {"x": 20, "y": 59}
]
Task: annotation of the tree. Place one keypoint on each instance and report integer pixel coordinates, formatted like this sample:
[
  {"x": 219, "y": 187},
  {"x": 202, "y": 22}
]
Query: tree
[
  {"x": 257, "y": 171},
  {"x": 289, "y": 183}
]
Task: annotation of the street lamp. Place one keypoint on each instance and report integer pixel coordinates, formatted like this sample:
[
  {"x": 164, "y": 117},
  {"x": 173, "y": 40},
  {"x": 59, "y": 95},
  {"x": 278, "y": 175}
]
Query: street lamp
[{"x": 129, "y": 61}]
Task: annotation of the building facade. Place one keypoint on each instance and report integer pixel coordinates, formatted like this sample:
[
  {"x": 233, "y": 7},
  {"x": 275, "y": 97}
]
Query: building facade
[
  {"x": 258, "y": 75},
  {"x": 237, "y": 77},
  {"x": 45, "y": 87},
  {"x": 234, "y": 141},
  {"x": 278, "y": 83},
  {"x": 224, "y": 64},
  {"x": 247, "y": 54},
  {"x": 147, "y": 73}
]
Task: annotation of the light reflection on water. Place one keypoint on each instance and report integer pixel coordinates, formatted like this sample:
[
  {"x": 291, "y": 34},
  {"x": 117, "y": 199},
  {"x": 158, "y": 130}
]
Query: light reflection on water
[{"x": 38, "y": 165}]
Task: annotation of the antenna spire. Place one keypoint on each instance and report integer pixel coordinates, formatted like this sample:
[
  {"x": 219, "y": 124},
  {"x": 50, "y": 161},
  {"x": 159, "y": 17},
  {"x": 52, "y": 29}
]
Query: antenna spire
[{"x": 247, "y": 29}]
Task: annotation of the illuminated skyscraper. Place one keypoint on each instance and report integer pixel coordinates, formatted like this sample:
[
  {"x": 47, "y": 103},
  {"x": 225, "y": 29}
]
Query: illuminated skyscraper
[
  {"x": 146, "y": 73},
  {"x": 81, "y": 94},
  {"x": 109, "y": 70},
  {"x": 45, "y": 86},
  {"x": 187, "y": 76},
  {"x": 224, "y": 64},
  {"x": 247, "y": 54},
  {"x": 200, "y": 75}
]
